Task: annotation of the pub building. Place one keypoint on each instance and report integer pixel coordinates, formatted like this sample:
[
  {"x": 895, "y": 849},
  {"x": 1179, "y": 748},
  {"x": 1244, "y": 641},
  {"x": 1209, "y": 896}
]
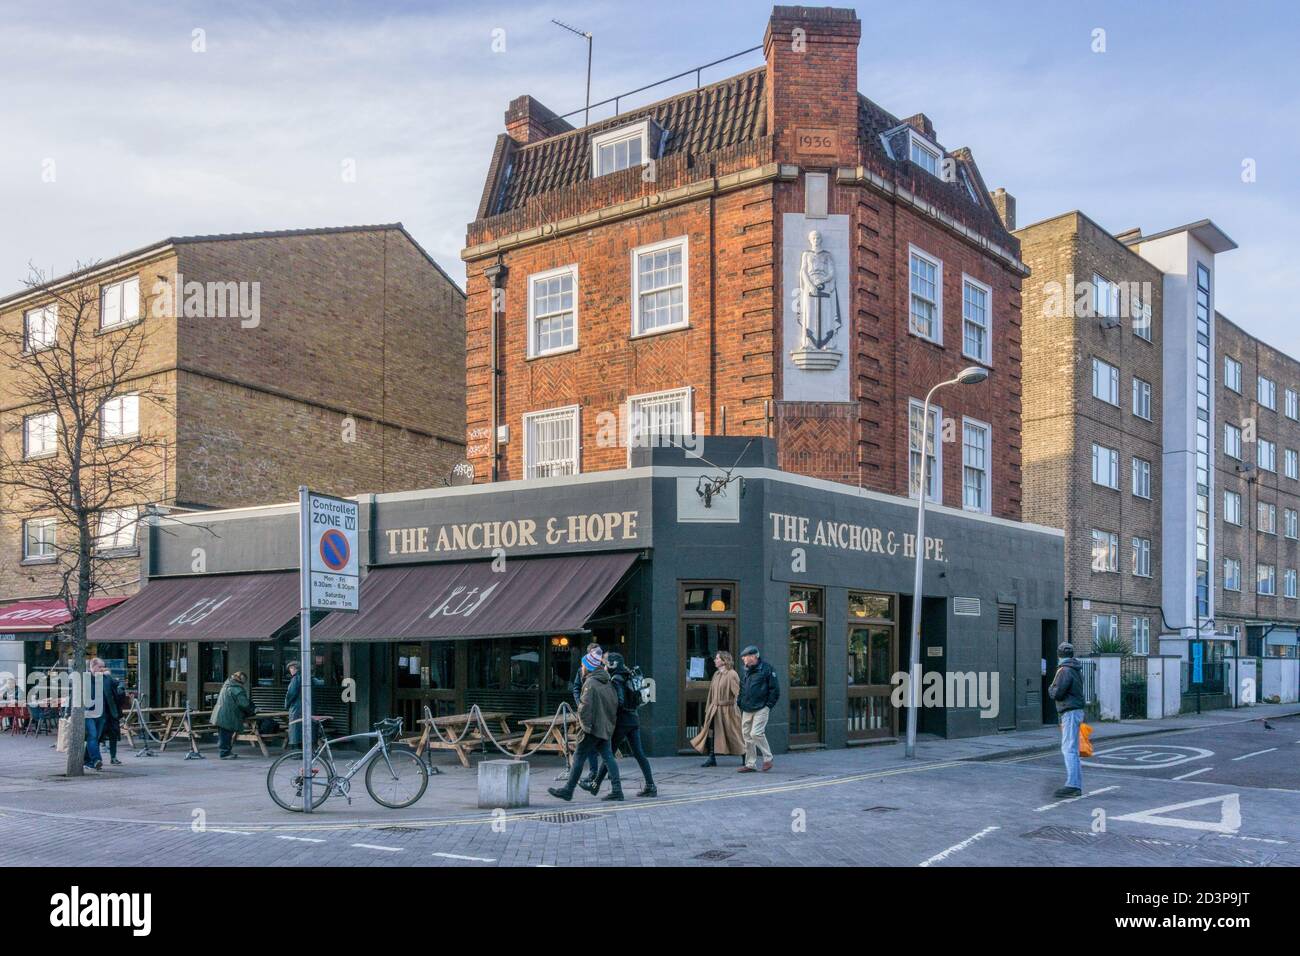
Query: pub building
[
  {"x": 34, "y": 638},
  {"x": 488, "y": 594}
]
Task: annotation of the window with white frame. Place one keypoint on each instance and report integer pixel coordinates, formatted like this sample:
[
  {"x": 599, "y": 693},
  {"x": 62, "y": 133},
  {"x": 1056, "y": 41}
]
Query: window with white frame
[
  {"x": 1266, "y": 454},
  {"x": 975, "y": 310},
  {"x": 1292, "y": 462},
  {"x": 1231, "y": 574},
  {"x": 1141, "y": 398},
  {"x": 1266, "y": 392},
  {"x": 1232, "y": 507},
  {"x": 1292, "y": 404},
  {"x": 1105, "y": 382},
  {"x": 933, "y": 451},
  {"x": 1105, "y": 298},
  {"x": 1105, "y": 466},
  {"x": 1232, "y": 440},
  {"x": 621, "y": 148},
  {"x": 1105, "y": 551},
  {"x": 1232, "y": 374},
  {"x": 1142, "y": 557},
  {"x": 1266, "y": 517},
  {"x": 1105, "y": 627},
  {"x": 658, "y": 419},
  {"x": 923, "y": 153},
  {"x": 1142, "y": 319},
  {"x": 40, "y": 328},
  {"x": 40, "y": 435},
  {"x": 1291, "y": 522},
  {"x": 1141, "y": 477},
  {"x": 553, "y": 311},
  {"x": 975, "y": 466},
  {"x": 660, "y": 300},
  {"x": 116, "y": 530},
  {"x": 926, "y": 278},
  {"x": 119, "y": 303},
  {"x": 1142, "y": 636},
  {"x": 1288, "y": 583},
  {"x": 119, "y": 417},
  {"x": 38, "y": 539},
  {"x": 1265, "y": 579},
  {"x": 552, "y": 440}
]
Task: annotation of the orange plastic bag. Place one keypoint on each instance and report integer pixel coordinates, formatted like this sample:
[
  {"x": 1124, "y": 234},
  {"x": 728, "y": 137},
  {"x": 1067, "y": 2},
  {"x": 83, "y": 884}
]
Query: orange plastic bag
[{"x": 1085, "y": 740}]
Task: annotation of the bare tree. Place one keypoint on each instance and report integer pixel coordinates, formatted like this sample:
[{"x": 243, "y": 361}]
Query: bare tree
[{"x": 94, "y": 465}]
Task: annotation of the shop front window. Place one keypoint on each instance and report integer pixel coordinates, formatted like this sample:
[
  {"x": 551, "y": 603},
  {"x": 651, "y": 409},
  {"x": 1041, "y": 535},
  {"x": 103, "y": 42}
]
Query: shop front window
[
  {"x": 706, "y": 625},
  {"x": 805, "y": 662}
]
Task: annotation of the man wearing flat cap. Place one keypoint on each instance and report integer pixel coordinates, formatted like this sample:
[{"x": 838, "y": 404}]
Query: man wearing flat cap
[{"x": 758, "y": 695}]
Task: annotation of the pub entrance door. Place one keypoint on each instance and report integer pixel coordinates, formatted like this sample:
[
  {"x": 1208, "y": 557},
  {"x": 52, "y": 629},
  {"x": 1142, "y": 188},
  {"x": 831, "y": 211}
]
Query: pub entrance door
[
  {"x": 873, "y": 656},
  {"x": 424, "y": 675},
  {"x": 807, "y": 646}
]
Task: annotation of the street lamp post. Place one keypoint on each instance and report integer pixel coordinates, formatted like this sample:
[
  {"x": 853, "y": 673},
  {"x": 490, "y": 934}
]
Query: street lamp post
[{"x": 968, "y": 376}]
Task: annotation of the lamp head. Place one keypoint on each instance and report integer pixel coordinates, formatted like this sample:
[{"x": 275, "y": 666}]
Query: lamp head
[{"x": 972, "y": 375}]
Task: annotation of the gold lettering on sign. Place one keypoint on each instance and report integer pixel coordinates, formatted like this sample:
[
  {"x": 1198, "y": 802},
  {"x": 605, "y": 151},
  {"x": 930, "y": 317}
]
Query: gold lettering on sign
[
  {"x": 816, "y": 141},
  {"x": 844, "y": 536},
  {"x": 599, "y": 527}
]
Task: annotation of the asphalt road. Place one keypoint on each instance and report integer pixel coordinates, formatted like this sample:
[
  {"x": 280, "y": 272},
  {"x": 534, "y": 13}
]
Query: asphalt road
[{"x": 1244, "y": 810}]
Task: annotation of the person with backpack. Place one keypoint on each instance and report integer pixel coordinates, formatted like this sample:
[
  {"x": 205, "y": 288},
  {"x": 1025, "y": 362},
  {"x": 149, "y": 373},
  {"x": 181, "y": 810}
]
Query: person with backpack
[
  {"x": 598, "y": 714},
  {"x": 1068, "y": 692},
  {"x": 627, "y": 726},
  {"x": 759, "y": 693},
  {"x": 233, "y": 707},
  {"x": 590, "y": 661}
]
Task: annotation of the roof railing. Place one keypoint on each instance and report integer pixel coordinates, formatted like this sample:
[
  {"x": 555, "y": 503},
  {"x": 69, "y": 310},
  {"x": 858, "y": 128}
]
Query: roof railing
[{"x": 649, "y": 86}]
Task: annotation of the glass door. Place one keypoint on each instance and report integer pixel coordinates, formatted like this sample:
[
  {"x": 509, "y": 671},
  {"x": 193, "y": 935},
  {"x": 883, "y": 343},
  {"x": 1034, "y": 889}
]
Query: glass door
[
  {"x": 706, "y": 625},
  {"x": 424, "y": 675},
  {"x": 805, "y": 666},
  {"x": 873, "y": 650}
]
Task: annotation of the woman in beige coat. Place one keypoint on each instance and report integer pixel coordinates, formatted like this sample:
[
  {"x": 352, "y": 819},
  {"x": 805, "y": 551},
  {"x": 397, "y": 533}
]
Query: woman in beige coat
[{"x": 720, "y": 729}]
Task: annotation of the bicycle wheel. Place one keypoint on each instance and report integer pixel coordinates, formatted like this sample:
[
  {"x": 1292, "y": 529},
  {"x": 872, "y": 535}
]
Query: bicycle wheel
[
  {"x": 284, "y": 781},
  {"x": 398, "y": 781}
]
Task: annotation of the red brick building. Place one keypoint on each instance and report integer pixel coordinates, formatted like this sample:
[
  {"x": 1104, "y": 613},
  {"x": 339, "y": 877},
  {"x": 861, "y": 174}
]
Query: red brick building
[{"x": 656, "y": 273}]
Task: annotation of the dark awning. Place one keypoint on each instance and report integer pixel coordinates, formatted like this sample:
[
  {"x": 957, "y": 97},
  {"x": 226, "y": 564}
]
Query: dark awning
[
  {"x": 528, "y": 596},
  {"x": 36, "y": 620},
  {"x": 209, "y": 607}
]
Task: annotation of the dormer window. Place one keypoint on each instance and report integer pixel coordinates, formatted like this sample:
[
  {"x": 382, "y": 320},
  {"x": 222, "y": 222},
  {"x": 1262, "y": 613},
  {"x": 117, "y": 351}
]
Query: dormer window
[
  {"x": 622, "y": 148},
  {"x": 923, "y": 154}
]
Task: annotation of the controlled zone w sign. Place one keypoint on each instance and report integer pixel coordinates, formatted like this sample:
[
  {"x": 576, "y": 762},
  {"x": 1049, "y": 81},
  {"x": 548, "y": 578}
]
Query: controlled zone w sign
[{"x": 332, "y": 547}]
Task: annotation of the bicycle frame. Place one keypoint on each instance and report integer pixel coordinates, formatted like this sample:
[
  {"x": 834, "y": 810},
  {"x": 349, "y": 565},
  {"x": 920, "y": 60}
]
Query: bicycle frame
[{"x": 325, "y": 754}]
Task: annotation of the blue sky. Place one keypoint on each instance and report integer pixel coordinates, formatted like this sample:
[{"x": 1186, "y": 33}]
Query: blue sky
[{"x": 147, "y": 138}]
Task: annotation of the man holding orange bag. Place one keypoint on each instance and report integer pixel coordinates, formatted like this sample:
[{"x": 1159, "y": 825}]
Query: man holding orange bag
[{"x": 1067, "y": 690}]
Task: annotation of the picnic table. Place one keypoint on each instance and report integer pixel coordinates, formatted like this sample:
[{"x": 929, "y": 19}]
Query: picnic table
[
  {"x": 554, "y": 738},
  {"x": 254, "y": 735},
  {"x": 453, "y": 726}
]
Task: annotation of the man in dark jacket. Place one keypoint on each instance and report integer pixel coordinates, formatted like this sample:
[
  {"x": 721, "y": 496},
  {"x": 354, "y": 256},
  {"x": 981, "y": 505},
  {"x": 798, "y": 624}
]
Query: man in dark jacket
[
  {"x": 1067, "y": 690},
  {"x": 598, "y": 714},
  {"x": 758, "y": 695},
  {"x": 293, "y": 703},
  {"x": 626, "y": 727}
]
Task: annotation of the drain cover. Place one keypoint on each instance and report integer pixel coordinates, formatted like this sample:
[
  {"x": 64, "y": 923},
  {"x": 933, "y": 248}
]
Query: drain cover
[
  {"x": 566, "y": 816},
  {"x": 713, "y": 855}
]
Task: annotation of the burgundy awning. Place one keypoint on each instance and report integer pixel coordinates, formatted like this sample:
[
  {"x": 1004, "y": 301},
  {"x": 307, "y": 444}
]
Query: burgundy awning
[
  {"x": 209, "y": 607},
  {"x": 42, "y": 617},
  {"x": 529, "y": 596}
]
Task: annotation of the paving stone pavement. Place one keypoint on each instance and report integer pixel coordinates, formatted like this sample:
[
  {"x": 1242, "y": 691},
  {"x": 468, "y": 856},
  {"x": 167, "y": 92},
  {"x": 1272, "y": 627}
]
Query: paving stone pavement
[{"x": 960, "y": 804}]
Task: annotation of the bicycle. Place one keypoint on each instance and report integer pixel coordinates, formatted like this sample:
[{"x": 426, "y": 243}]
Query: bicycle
[{"x": 393, "y": 770}]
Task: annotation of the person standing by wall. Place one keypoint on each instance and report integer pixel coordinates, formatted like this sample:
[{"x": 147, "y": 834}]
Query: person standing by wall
[
  {"x": 1067, "y": 690},
  {"x": 720, "y": 730},
  {"x": 759, "y": 693}
]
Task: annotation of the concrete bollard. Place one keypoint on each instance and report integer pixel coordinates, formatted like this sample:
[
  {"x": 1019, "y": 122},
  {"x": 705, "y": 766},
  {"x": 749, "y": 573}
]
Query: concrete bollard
[{"x": 503, "y": 784}]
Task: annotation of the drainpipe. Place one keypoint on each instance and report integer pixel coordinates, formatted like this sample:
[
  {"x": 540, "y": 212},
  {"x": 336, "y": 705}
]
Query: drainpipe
[{"x": 496, "y": 276}]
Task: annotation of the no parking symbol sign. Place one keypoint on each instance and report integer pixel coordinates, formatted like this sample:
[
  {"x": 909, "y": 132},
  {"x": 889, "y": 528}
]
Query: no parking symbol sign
[{"x": 332, "y": 549}]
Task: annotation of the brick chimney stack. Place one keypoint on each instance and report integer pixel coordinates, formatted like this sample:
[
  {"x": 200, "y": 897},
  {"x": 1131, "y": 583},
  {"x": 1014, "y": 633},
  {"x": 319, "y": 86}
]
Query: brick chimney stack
[
  {"x": 812, "y": 83},
  {"x": 1005, "y": 205},
  {"x": 528, "y": 121}
]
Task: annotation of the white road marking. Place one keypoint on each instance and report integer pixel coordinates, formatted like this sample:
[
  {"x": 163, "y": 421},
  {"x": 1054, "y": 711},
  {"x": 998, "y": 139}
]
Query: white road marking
[
  {"x": 372, "y": 846},
  {"x": 300, "y": 839},
  {"x": 473, "y": 859},
  {"x": 1255, "y": 754},
  {"x": 940, "y": 857},
  {"x": 1229, "y": 815},
  {"x": 1229, "y": 836},
  {"x": 1193, "y": 773},
  {"x": 1061, "y": 803},
  {"x": 219, "y": 830}
]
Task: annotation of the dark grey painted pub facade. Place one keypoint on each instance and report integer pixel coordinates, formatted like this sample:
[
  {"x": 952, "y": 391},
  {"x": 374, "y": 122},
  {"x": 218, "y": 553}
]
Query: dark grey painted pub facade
[{"x": 489, "y": 594}]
